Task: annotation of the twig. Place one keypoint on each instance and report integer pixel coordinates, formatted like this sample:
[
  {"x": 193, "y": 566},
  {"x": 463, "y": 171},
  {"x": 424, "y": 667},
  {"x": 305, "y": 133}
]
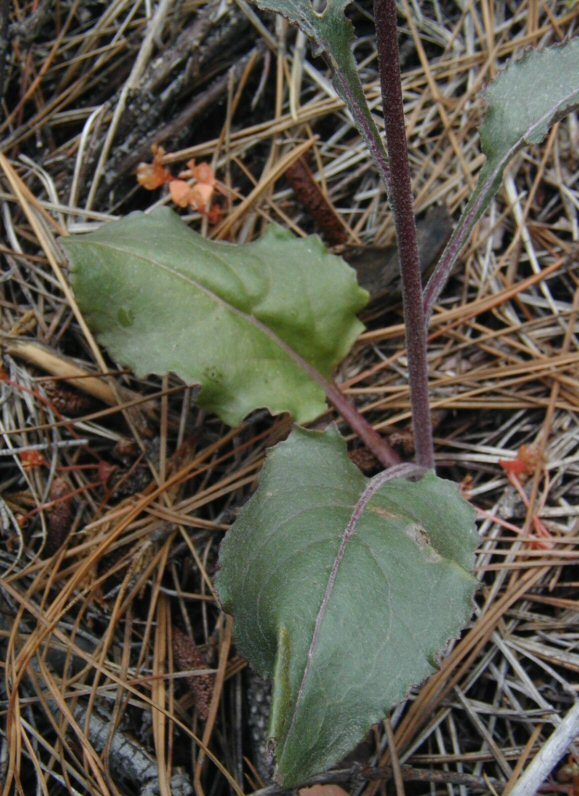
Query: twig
[
  {"x": 348, "y": 776},
  {"x": 547, "y": 758}
]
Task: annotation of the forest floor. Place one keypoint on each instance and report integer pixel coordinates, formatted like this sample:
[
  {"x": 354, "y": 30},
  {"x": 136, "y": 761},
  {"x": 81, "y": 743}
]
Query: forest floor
[{"x": 119, "y": 670}]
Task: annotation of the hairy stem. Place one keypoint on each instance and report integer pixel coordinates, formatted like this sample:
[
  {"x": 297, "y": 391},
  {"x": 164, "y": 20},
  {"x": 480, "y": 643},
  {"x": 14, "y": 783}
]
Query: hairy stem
[
  {"x": 403, "y": 207},
  {"x": 365, "y": 123},
  {"x": 451, "y": 251},
  {"x": 381, "y": 449},
  {"x": 358, "y": 423}
]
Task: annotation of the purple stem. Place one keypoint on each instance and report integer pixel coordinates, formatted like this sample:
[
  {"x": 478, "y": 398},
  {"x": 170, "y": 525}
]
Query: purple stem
[
  {"x": 358, "y": 423},
  {"x": 403, "y": 207},
  {"x": 450, "y": 254},
  {"x": 369, "y": 132},
  {"x": 379, "y": 447}
]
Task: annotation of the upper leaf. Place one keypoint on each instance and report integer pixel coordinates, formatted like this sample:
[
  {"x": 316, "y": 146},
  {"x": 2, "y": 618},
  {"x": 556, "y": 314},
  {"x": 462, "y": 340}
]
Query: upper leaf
[
  {"x": 523, "y": 102},
  {"x": 344, "y": 590},
  {"x": 247, "y": 323},
  {"x": 329, "y": 29},
  {"x": 527, "y": 97},
  {"x": 333, "y": 33}
]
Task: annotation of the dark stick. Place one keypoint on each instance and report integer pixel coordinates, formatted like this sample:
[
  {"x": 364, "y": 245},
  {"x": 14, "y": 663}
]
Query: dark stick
[
  {"x": 357, "y": 775},
  {"x": 402, "y": 205}
]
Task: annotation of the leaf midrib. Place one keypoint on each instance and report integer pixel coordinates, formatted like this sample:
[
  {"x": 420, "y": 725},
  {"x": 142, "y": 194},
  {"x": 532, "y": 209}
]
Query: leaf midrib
[
  {"x": 302, "y": 363},
  {"x": 370, "y": 490}
]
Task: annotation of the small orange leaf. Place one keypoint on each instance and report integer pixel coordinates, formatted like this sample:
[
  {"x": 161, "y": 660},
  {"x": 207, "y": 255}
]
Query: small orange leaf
[
  {"x": 527, "y": 461},
  {"x": 323, "y": 790},
  {"x": 201, "y": 194},
  {"x": 153, "y": 175},
  {"x": 31, "y": 460},
  {"x": 203, "y": 173},
  {"x": 181, "y": 192}
]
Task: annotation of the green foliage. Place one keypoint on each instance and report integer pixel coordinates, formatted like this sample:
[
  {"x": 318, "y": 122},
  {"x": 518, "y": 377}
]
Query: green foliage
[
  {"x": 523, "y": 102},
  {"x": 251, "y": 324},
  {"x": 333, "y": 34},
  {"x": 527, "y": 98},
  {"x": 344, "y": 591}
]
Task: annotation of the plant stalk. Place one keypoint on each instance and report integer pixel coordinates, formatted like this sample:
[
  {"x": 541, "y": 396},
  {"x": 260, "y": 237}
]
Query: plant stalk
[
  {"x": 366, "y": 126},
  {"x": 357, "y": 422},
  {"x": 385, "y": 454},
  {"x": 403, "y": 208},
  {"x": 451, "y": 251}
]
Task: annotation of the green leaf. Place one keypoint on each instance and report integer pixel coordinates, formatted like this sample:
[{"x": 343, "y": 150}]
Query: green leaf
[
  {"x": 523, "y": 102},
  {"x": 529, "y": 96},
  {"x": 344, "y": 590},
  {"x": 333, "y": 33},
  {"x": 254, "y": 325}
]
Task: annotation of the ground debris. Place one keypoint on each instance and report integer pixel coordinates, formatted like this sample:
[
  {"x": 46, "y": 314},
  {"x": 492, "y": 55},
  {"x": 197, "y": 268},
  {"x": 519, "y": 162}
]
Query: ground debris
[{"x": 115, "y": 491}]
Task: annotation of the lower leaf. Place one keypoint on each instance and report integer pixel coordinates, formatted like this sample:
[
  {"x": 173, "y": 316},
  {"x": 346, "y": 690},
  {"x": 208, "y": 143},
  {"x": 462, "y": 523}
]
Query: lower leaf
[{"x": 345, "y": 591}]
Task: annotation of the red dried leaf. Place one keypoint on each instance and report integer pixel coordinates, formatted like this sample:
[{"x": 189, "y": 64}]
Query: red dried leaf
[
  {"x": 214, "y": 215},
  {"x": 514, "y": 466},
  {"x": 32, "y": 460},
  {"x": 527, "y": 461}
]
